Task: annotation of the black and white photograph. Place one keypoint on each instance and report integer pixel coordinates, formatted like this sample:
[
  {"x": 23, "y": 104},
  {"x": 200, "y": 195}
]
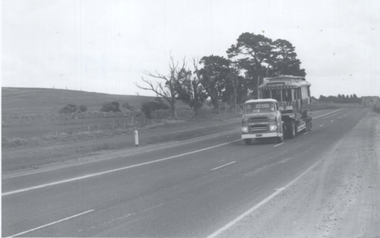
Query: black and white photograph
[{"x": 190, "y": 118}]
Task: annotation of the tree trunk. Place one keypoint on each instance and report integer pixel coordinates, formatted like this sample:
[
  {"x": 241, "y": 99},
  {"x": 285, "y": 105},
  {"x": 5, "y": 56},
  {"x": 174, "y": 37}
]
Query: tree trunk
[{"x": 215, "y": 103}]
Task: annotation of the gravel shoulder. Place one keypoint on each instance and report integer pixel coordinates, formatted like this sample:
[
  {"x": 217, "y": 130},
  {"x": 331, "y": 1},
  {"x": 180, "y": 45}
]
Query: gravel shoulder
[{"x": 340, "y": 197}]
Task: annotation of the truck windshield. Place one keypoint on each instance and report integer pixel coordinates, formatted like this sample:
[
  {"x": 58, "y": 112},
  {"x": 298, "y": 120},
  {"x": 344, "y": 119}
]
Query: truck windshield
[{"x": 259, "y": 107}]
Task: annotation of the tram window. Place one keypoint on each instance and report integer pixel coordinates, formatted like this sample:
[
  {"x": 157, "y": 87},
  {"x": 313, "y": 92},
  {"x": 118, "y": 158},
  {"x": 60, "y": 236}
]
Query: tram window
[
  {"x": 287, "y": 95},
  {"x": 265, "y": 93},
  {"x": 276, "y": 94},
  {"x": 304, "y": 91}
]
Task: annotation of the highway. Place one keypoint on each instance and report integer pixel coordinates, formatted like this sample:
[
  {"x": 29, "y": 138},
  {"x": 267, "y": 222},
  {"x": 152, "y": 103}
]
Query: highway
[{"x": 191, "y": 190}]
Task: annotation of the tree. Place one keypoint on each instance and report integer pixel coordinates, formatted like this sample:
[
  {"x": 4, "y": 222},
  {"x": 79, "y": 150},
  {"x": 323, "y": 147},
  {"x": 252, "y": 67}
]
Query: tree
[
  {"x": 213, "y": 77},
  {"x": 111, "y": 107},
  {"x": 252, "y": 52},
  {"x": 190, "y": 89},
  {"x": 259, "y": 57},
  {"x": 283, "y": 60},
  {"x": 322, "y": 98},
  {"x": 167, "y": 88},
  {"x": 235, "y": 90}
]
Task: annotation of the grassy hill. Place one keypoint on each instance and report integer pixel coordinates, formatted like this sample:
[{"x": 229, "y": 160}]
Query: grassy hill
[{"x": 19, "y": 101}]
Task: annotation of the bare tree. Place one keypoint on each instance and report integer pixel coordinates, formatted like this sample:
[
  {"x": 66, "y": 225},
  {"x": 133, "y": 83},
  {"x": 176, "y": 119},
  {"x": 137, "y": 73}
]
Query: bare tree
[{"x": 166, "y": 88}]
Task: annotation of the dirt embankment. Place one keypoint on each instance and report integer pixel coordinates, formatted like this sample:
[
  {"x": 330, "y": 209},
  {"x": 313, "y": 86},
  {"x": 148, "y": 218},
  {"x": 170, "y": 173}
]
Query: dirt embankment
[{"x": 340, "y": 197}]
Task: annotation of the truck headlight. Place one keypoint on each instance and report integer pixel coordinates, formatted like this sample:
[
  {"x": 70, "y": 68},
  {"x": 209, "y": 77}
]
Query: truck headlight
[
  {"x": 245, "y": 129},
  {"x": 272, "y": 127}
]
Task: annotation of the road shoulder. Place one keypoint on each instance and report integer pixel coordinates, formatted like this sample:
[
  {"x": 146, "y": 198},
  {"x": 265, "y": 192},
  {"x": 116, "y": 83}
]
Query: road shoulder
[{"x": 338, "y": 198}]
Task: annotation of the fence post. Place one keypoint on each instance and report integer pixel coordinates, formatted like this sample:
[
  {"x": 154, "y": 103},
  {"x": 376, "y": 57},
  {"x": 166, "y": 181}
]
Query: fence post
[{"x": 136, "y": 138}]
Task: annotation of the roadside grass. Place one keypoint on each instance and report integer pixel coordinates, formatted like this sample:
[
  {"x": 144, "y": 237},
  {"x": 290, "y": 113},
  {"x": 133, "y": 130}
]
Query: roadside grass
[{"x": 36, "y": 152}]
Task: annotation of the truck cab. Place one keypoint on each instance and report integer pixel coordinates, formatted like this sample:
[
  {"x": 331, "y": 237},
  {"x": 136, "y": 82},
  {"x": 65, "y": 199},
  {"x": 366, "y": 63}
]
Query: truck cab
[{"x": 261, "y": 119}]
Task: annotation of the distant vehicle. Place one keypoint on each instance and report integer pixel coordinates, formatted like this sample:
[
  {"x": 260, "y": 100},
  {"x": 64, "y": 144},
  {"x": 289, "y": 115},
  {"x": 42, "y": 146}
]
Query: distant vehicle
[{"x": 283, "y": 109}]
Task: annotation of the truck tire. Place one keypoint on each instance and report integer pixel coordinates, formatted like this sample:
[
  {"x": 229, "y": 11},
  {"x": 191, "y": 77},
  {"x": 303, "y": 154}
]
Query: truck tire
[
  {"x": 291, "y": 130},
  {"x": 308, "y": 126},
  {"x": 247, "y": 141}
]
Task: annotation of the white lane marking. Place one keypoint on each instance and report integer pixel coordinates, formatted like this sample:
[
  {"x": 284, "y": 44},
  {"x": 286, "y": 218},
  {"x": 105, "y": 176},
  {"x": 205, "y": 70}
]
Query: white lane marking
[
  {"x": 53, "y": 223},
  {"x": 327, "y": 114},
  {"x": 278, "y": 144},
  {"x": 305, "y": 133},
  {"x": 331, "y": 120},
  {"x": 278, "y": 191},
  {"x": 113, "y": 170},
  {"x": 223, "y": 165},
  {"x": 321, "y": 125}
]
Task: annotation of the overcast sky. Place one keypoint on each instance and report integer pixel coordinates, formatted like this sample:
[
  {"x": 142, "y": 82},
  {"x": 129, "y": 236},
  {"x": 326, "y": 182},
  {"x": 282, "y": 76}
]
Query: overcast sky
[{"x": 105, "y": 46}]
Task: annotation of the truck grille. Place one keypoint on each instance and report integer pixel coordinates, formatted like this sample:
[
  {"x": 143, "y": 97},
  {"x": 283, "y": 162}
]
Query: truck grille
[
  {"x": 257, "y": 128},
  {"x": 258, "y": 119}
]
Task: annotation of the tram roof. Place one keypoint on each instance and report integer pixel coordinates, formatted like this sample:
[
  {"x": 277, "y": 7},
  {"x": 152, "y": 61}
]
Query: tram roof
[{"x": 283, "y": 82}]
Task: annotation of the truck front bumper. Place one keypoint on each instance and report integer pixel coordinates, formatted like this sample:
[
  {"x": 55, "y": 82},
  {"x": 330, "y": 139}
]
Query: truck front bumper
[{"x": 263, "y": 135}]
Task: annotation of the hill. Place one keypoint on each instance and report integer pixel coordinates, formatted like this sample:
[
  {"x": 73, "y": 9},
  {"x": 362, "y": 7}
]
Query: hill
[{"x": 19, "y": 101}]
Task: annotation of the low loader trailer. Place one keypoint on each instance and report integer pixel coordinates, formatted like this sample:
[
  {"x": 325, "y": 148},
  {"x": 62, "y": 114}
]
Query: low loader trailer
[{"x": 282, "y": 110}]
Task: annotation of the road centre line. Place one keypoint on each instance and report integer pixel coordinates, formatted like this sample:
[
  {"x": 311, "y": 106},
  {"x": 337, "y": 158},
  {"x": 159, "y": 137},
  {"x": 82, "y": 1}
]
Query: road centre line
[
  {"x": 257, "y": 206},
  {"x": 327, "y": 114},
  {"x": 113, "y": 170},
  {"x": 52, "y": 223},
  {"x": 223, "y": 165}
]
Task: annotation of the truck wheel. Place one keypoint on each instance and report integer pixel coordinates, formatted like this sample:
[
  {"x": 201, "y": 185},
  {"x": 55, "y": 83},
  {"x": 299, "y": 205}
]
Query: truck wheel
[
  {"x": 291, "y": 130},
  {"x": 247, "y": 141},
  {"x": 308, "y": 126}
]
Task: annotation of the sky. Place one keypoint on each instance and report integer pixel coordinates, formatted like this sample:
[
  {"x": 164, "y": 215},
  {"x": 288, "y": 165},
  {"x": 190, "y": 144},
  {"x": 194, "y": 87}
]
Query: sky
[{"x": 106, "y": 46}]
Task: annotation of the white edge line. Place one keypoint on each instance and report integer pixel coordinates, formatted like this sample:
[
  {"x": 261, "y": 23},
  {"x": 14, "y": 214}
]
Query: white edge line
[
  {"x": 53, "y": 223},
  {"x": 223, "y": 165},
  {"x": 279, "y": 144},
  {"x": 236, "y": 220},
  {"x": 111, "y": 171}
]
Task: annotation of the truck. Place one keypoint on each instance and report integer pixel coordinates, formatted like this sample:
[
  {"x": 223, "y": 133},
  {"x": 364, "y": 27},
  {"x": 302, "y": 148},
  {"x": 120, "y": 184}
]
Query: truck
[{"x": 282, "y": 110}]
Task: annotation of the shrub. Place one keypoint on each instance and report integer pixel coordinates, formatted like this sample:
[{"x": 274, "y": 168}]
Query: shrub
[
  {"x": 128, "y": 107},
  {"x": 111, "y": 107},
  {"x": 148, "y": 107},
  {"x": 70, "y": 108},
  {"x": 82, "y": 108}
]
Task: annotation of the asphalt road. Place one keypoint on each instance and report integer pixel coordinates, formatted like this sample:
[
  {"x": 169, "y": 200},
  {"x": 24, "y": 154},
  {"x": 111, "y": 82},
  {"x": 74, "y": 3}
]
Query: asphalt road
[{"x": 191, "y": 190}]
